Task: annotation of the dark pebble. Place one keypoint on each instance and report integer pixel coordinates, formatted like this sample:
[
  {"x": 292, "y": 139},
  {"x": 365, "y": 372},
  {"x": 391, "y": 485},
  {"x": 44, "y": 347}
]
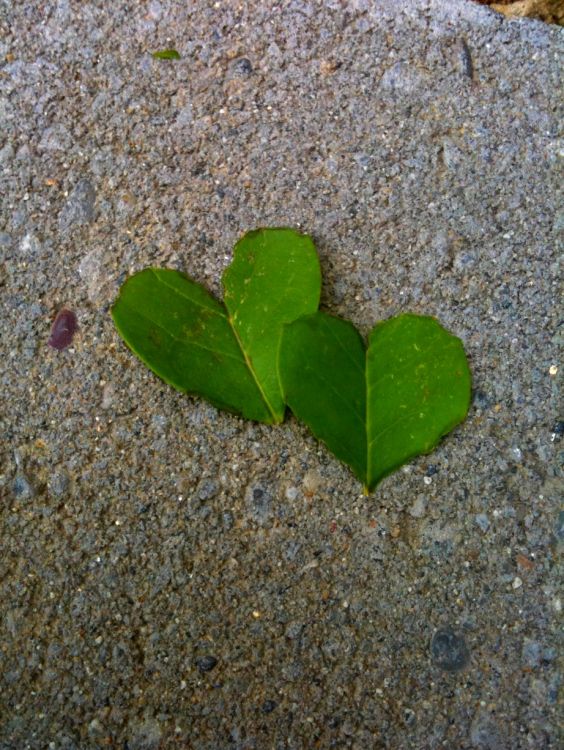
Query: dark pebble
[
  {"x": 431, "y": 470},
  {"x": 481, "y": 400},
  {"x": 21, "y": 487},
  {"x": 259, "y": 502},
  {"x": 268, "y": 707},
  {"x": 558, "y": 429},
  {"x": 206, "y": 663},
  {"x": 63, "y": 329},
  {"x": 449, "y": 650},
  {"x": 242, "y": 67}
]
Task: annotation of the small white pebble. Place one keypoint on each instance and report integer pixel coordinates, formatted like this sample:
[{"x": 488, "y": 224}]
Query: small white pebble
[
  {"x": 553, "y": 370},
  {"x": 427, "y": 480},
  {"x": 291, "y": 493},
  {"x": 517, "y": 583}
]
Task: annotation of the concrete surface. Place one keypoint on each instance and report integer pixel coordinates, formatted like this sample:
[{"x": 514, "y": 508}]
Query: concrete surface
[{"x": 174, "y": 577}]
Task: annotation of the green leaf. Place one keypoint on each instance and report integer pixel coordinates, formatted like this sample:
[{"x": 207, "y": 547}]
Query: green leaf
[
  {"x": 166, "y": 54},
  {"x": 378, "y": 407},
  {"x": 225, "y": 353}
]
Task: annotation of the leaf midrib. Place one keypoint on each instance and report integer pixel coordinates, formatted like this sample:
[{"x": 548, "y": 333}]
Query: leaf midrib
[
  {"x": 365, "y": 420},
  {"x": 369, "y": 390},
  {"x": 247, "y": 359},
  {"x": 190, "y": 299}
]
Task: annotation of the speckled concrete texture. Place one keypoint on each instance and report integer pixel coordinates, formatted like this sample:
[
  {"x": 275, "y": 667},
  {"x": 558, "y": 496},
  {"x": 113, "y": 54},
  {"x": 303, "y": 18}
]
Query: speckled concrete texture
[{"x": 174, "y": 577}]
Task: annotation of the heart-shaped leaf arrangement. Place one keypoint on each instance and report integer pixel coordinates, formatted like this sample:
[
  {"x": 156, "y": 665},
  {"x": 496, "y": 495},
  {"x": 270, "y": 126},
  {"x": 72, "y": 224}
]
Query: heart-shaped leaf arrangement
[
  {"x": 374, "y": 407},
  {"x": 225, "y": 353}
]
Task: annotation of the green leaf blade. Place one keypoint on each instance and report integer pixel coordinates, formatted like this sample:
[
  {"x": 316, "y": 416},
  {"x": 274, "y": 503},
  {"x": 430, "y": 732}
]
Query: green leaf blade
[
  {"x": 166, "y": 54},
  {"x": 183, "y": 335},
  {"x": 228, "y": 356},
  {"x": 322, "y": 371},
  {"x": 379, "y": 407},
  {"x": 274, "y": 278},
  {"x": 419, "y": 386}
]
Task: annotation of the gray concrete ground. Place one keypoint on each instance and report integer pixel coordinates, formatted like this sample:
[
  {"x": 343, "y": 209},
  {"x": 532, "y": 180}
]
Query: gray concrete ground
[{"x": 175, "y": 577}]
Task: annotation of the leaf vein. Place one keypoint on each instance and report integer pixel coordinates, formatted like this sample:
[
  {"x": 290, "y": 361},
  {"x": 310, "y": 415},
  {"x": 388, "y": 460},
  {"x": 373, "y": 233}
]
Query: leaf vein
[
  {"x": 189, "y": 342},
  {"x": 406, "y": 365},
  {"x": 176, "y": 291},
  {"x": 343, "y": 347},
  {"x": 394, "y": 423},
  {"x": 342, "y": 399}
]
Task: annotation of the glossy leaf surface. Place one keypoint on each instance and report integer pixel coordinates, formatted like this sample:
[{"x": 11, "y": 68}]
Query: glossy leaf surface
[
  {"x": 274, "y": 278},
  {"x": 225, "y": 353},
  {"x": 375, "y": 408}
]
